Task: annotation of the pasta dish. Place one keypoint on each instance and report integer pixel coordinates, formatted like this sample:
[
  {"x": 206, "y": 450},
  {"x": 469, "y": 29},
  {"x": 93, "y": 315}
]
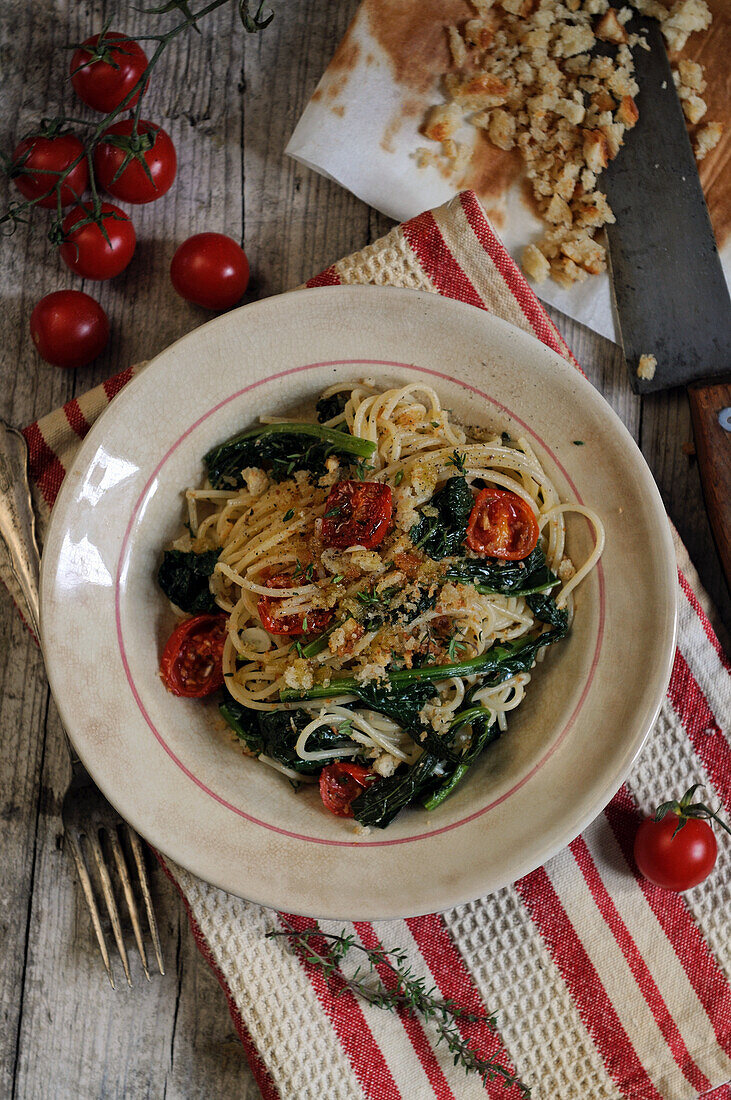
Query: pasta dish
[{"x": 370, "y": 591}]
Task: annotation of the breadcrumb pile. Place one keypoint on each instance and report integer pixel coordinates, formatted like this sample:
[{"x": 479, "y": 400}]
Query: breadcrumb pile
[{"x": 527, "y": 74}]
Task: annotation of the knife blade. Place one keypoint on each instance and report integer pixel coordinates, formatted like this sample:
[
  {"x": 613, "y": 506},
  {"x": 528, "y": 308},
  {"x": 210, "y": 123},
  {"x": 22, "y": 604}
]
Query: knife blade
[
  {"x": 670, "y": 293},
  {"x": 669, "y": 289}
]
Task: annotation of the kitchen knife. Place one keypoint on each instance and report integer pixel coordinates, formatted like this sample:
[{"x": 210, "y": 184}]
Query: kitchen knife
[{"x": 669, "y": 290}]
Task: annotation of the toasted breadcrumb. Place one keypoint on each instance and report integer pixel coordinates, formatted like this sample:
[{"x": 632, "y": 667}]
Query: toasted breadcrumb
[
  {"x": 707, "y": 139},
  {"x": 646, "y": 367},
  {"x": 524, "y": 72}
]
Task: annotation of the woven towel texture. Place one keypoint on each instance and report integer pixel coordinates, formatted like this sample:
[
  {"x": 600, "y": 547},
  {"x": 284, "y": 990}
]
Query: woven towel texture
[{"x": 605, "y": 987}]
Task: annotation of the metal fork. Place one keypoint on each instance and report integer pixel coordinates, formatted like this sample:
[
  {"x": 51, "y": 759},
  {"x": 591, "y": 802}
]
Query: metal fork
[{"x": 86, "y": 814}]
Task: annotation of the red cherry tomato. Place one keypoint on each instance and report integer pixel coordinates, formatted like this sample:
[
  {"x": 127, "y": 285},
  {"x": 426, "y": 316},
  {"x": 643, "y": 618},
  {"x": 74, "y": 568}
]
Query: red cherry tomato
[
  {"x": 314, "y": 622},
  {"x": 85, "y": 250},
  {"x": 69, "y": 328},
  {"x": 210, "y": 270},
  {"x": 502, "y": 525},
  {"x": 675, "y": 862},
  {"x": 132, "y": 183},
  {"x": 357, "y": 513},
  {"x": 340, "y": 785},
  {"x": 102, "y": 75},
  {"x": 39, "y": 160},
  {"x": 191, "y": 663}
]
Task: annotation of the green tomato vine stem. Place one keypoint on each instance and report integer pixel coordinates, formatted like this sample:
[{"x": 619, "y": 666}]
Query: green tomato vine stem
[{"x": 16, "y": 210}]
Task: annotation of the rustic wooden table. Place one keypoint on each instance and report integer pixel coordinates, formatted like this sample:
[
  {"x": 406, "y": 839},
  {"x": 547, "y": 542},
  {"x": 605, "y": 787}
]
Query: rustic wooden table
[{"x": 230, "y": 101}]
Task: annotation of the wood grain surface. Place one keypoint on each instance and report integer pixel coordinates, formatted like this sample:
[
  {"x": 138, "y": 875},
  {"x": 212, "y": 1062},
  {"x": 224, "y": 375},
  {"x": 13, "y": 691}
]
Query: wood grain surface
[{"x": 230, "y": 101}]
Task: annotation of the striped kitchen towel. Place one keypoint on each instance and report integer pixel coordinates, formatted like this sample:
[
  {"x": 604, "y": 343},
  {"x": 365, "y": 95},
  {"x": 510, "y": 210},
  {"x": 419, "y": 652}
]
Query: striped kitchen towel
[{"x": 604, "y": 986}]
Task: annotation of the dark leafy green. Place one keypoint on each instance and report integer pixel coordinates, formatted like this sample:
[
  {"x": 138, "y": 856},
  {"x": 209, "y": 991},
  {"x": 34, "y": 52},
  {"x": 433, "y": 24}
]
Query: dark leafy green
[
  {"x": 381, "y": 801},
  {"x": 402, "y": 704},
  {"x": 275, "y": 734},
  {"x": 482, "y": 736},
  {"x": 509, "y": 578},
  {"x": 183, "y": 577},
  {"x": 282, "y": 449},
  {"x": 545, "y": 610},
  {"x": 442, "y": 535},
  {"x": 330, "y": 407}
]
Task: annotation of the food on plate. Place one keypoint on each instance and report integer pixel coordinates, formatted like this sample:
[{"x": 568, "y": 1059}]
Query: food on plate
[
  {"x": 41, "y": 159},
  {"x": 677, "y": 849},
  {"x": 210, "y": 270},
  {"x": 69, "y": 328},
  {"x": 104, "y": 70},
  {"x": 386, "y": 583},
  {"x": 556, "y": 81},
  {"x": 135, "y": 167},
  {"x": 91, "y": 253}
]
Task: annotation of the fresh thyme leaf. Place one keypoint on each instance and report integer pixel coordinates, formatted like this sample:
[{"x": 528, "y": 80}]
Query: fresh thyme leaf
[
  {"x": 399, "y": 477},
  {"x": 333, "y": 512},
  {"x": 388, "y": 981},
  {"x": 361, "y": 468},
  {"x": 578, "y": 443},
  {"x": 288, "y": 515},
  {"x": 458, "y": 461}
]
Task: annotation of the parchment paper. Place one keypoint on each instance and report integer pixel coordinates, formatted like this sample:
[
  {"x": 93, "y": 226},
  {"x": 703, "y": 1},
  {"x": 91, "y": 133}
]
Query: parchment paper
[{"x": 361, "y": 128}]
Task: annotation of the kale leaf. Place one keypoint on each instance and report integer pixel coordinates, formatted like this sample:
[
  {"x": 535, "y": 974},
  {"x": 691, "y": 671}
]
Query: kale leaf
[
  {"x": 508, "y": 578},
  {"x": 183, "y": 577},
  {"x": 402, "y": 704},
  {"x": 275, "y": 734},
  {"x": 545, "y": 609},
  {"x": 381, "y": 801},
  {"x": 330, "y": 407},
  {"x": 442, "y": 535},
  {"x": 282, "y": 449}
]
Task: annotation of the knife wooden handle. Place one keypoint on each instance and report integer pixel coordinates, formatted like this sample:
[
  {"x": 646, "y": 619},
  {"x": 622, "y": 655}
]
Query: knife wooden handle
[{"x": 708, "y": 400}]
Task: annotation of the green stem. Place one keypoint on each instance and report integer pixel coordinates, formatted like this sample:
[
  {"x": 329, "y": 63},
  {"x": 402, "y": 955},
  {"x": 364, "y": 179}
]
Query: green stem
[{"x": 484, "y": 663}]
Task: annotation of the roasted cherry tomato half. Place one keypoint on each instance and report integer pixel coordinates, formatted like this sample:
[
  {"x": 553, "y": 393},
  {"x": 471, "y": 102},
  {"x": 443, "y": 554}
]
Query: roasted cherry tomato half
[
  {"x": 191, "y": 663},
  {"x": 675, "y": 862},
  {"x": 87, "y": 252},
  {"x": 38, "y": 162},
  {"x": 133, "y": 183},
  {"x": 210, "y": 270},
  {"x": 340, "y": 785},
  {"x": 103, "y": 74},
  {"x": 357, "y": 513},
  {"x": 69, "y": 328},
  {"x": 502, "y": 525},
  {"x": 314, "y": 622}
]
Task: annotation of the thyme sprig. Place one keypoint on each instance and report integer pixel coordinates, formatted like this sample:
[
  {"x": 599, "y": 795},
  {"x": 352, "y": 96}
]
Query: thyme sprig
[
  {"x": 16, "y": 212},
  {"x": 385, "y": 979}
]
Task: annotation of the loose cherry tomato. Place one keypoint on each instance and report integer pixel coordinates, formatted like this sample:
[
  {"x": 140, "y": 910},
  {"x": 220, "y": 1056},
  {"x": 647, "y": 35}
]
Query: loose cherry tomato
[
  {"x": 314, "y": 622},
  {"x": 69, "y": 328},
  {"x": 86, "y": 251},
  {"x": 502, "y": 525},
  {"x": 102, "y": 74},
  {"x": 677, "y": 848},
  {"x": 210, "y": 270},
  {"x": 130, "y": 181},
  {"x": 357, "y": 513},
  {"x": 191, "y": 663},
  {"x": 340, "y": 785},
  {"x": 39, "y": 160}
]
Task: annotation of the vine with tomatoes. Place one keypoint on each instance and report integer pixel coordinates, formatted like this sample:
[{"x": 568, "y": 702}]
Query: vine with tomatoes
[{"x": 130, "y": 159}]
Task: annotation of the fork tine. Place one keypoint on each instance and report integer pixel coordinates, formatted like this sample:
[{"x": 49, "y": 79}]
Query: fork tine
[
  {"x": 134, "y": 841},
  {"x": 106, "y": 881},
  {"x": 129, "y": 896},
  {"x": 90, "y": 901}
]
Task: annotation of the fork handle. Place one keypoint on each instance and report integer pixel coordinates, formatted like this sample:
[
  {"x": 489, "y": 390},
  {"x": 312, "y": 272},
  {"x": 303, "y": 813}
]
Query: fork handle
[{"x": 17, "y": 524}]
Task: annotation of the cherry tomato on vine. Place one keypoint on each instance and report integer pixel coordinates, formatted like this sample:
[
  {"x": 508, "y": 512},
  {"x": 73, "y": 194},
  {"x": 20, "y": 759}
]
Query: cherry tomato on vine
[
  {"x": 40, "y": 159},
  {"x": 102, "y": 74},
  {"x": 119, "y": 157},
  {"x": 677, "y": 849},
  {"x": 340, "y": 785},
  {"x": 357, "y": 513},
  {"x": 69, "y": 328},
  {"x": 502, "y": 525},
  {"x": 299, "y": 622},
  {"x": 86, "y": 251},
  {"x": 210, "y": 270},
  {"x": 191, "y": 662}
]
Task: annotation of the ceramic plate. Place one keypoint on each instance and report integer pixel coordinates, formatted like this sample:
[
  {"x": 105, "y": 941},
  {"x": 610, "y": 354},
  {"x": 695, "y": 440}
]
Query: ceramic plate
[{"x": 169, "y": 766}]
